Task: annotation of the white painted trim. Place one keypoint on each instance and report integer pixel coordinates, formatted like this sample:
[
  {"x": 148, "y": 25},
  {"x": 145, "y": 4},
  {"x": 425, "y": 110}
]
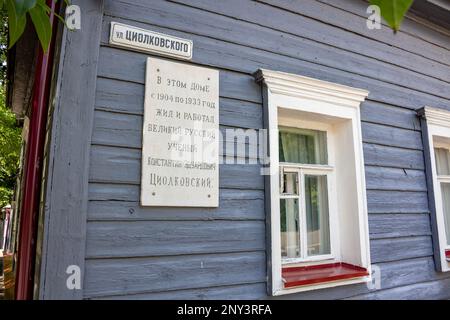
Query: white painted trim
[
  {"x": 438, "y": 123},
  {"x": 325, "y": 103},
  {"x": 313, "y": 89},
  {"x": 293, "y": 167},
  {"x": 436, "y": 117},
  {"x": 444, "y": 179},
  {"x": 316, "y": 170},
  {"x": 330, "y": 284},
  {"x": 311, "y": 260}
]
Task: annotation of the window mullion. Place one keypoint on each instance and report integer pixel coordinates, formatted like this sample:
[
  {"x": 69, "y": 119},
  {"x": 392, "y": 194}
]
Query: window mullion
[
  {"x": 302, "y": 218},
  {"x": 443, "y": 178}
]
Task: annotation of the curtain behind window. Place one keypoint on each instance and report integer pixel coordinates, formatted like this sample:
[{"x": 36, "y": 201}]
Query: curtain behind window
[
  {"x": 303, "y": 146},
  {"x": 442, "y": 161}
]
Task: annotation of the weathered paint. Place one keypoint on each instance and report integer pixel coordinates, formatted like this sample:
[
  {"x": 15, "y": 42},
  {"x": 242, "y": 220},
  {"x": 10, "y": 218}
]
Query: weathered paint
[
  {"x": 152, "y": 253},
  {"x": 67, "y": 189}
]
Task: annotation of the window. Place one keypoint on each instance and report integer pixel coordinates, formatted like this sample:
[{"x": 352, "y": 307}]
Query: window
[
  {"x": 442, "y": 155},
  {"x": 436, "y": 137},
  {"x": 304, "y": 207},
  {"x": 317, "y": 217}
]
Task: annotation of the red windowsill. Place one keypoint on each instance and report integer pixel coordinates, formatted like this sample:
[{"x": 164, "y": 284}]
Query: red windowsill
[{"x": 300, "y": 276}]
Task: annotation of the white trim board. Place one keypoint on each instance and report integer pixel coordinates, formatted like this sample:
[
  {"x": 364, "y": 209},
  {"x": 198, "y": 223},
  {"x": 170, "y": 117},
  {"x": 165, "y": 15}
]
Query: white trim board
[
  {"x": 435, "y": 128},
  {"x": 337, "y": 106}
]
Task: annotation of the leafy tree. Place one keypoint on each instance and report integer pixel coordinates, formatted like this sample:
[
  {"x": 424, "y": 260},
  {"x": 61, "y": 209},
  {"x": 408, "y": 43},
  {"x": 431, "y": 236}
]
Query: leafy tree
[
  {"x": 10, "y": 142},
  {"x": 13, "y": 20},
  {"x": 37, "y": 10},
  {"x": 3, "y": 45},
  {"x": 10, "y": 139}
]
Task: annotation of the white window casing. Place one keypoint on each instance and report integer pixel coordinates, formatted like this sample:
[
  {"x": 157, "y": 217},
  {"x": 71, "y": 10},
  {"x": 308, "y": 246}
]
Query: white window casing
[
  {"x": 435, "y": 125},
  {"x": 307, "y": 103}
]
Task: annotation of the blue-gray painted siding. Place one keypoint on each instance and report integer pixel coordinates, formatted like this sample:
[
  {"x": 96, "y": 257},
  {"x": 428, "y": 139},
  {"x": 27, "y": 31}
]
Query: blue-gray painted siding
[{"x": 134, "y": 252}]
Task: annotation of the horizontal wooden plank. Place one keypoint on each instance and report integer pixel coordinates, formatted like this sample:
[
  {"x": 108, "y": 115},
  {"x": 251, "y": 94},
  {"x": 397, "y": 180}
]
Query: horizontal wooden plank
[
  {"x": 238, "y": 292},
  {"x": 391, "y": 136},
  {"x": 116, "y": 165},
  {"x": 120, "y": 96},
  {"x": 236, "y": 145},
  {"x": 384, "y": 250},
  {"x": 221, "y": 55},
  {"x": 398, "y": 225},
  {"x": 232, "y": 84},
  {"x": 375, "y": 112},
  {"x": 102, "y": 192},
  {"x": 424, "y": 32},
  {"x": 116, "y": 239},
  {"x": 393, "y": 274},
  {"x": 189, "y": 20},
  {"x": 381, "y": 178},
  {"x": 409, "y": 271},
  {"x": 121, "y": 202},
  {"x": 241, "y": 114},
  {"x": 433, "y": 290},
  {"x": 125, "y": 130},
  {"x": 121, "y": 165},
  {"x": 346, "y": 20},
  {"x": 330, "y": 26},
  {"x": 378, "y": 155},
  {"x": 424, "y": 29},
  {"x": 116, "y": 129},
  {"x": 397, "y": 201},
  {"x": 135, "y": 275},
  {"x": 378, "y": 202},
  {"x": 128, "y": 97}
]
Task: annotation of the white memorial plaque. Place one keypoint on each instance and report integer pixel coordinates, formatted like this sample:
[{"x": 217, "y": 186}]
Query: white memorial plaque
[{"x": 180, "y": 153}]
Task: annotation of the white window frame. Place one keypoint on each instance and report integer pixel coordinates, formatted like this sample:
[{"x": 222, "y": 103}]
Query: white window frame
[
  {"x": 435, "y": 127},
  {"x": 326, "y": 100},
  {"x": 317, "y": 170}
]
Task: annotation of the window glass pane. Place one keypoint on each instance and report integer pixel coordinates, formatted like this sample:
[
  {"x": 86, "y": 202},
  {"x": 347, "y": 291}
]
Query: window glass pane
[
  {"x": 302, "y": 146},
  {"x": 442, "y": 161},
  {"x": 290, "y": 243},
  {"x": 289, "y": 184},
  {"x": 317, "y": 217},
  {"x": 445, "y": 190}
]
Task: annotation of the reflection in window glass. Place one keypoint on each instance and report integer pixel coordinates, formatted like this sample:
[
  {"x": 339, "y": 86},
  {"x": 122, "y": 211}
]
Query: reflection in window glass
[
  {"x": 442, "y": 161},
  {"x": 317, "y": 217},
  {"x": 302, "y": 146},
  {"x": 290, "y": 243},
  {"x": 289, "y": 183},
  {"x": 445, "y": 190}
]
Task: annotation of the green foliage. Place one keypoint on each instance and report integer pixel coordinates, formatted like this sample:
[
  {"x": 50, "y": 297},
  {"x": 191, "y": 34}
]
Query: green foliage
[
  {"x": 17, "y": 11},
  {"x": 9, "y": 152},
  {"x": 393, "y": 11},
  {"x": 17, "y": 23},
  {"x": 3, "y": 45},
  {"x": 41, "y": 23},
  {"x": 22, "y": 6},
  {"x": 10, "y": 142}
]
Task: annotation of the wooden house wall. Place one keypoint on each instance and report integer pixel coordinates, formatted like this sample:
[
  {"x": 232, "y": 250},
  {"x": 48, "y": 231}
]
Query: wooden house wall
[{"x": 151, "y": 253}]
